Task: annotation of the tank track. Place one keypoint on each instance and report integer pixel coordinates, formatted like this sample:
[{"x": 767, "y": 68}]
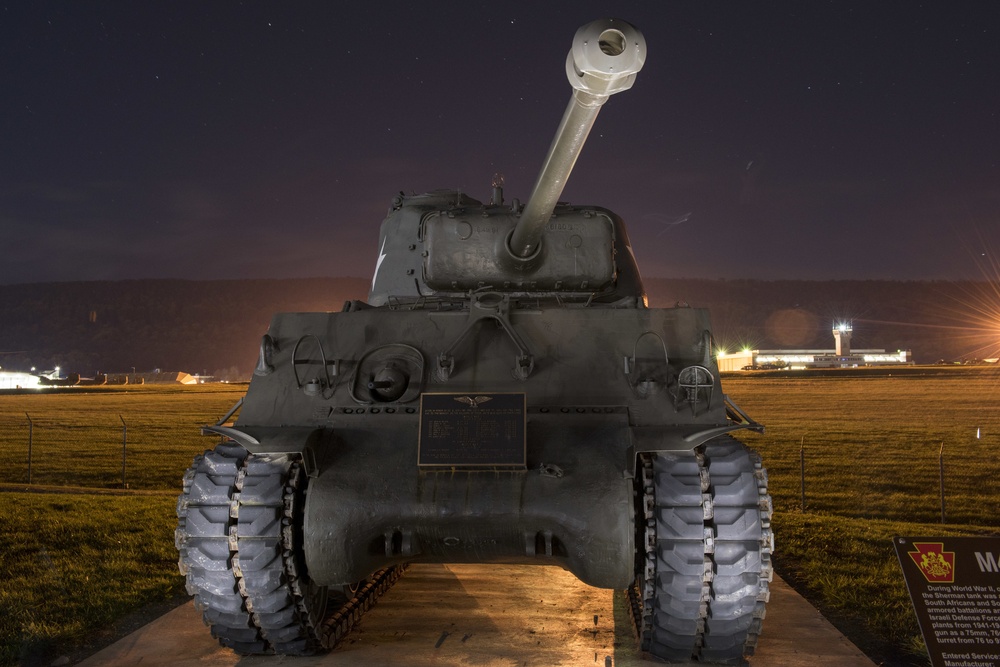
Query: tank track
[
  {"x": 702, "y": 579},
  {"x": 239, "y": 538}
]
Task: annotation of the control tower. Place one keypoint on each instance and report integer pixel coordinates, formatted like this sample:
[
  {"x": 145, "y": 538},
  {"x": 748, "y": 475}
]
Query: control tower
[{"x": 842, "y": 337}]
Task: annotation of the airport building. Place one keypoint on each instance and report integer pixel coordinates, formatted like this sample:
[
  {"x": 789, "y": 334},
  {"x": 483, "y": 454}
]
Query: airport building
[
  {"x": 16, "y": 380},
  {"x": 842, "y": 356}
]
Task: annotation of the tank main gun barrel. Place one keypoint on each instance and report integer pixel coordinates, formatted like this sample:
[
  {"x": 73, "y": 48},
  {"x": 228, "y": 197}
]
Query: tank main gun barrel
[{"x": 605, "y": 57}]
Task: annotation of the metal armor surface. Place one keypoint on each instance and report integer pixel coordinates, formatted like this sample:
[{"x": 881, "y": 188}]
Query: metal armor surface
[{"x": 504, "y": 395}]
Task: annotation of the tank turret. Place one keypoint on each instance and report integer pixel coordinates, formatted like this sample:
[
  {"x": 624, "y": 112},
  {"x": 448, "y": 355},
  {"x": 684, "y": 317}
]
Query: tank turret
[{"x": 446, "y": 244}]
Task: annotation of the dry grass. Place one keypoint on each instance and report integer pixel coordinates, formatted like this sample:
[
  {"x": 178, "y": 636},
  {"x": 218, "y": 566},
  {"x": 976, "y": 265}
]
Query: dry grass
[
  {"x": 78, "y": 561},
  {"x": 872, "y": 443},
  {"x": 74, "y": 564},
  {"x": 76, "y": 436}
]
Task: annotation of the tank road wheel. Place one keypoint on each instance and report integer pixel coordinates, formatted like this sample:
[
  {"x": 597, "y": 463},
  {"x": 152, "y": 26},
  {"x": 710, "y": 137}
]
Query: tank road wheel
[
  {"x": 239, "y": 538},
  {"x": 703, "y": 580}
]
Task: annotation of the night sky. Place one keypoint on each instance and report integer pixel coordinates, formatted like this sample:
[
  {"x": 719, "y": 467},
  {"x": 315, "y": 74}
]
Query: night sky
[{"x": 798, "y": 140}]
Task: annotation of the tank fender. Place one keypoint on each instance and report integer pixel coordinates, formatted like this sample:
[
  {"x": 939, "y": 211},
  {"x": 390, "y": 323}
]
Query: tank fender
[
  {"x": 303, "y": 440},
  {"x": 670, "y": 438}
]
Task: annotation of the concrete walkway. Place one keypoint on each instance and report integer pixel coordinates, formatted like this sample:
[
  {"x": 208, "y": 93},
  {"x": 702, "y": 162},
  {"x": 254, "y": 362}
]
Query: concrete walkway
[{"x": 489, "y": 616}]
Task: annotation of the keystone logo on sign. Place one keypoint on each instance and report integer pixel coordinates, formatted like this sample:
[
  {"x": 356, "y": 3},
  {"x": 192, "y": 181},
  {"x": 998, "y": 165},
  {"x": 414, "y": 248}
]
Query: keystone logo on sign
[{"x": 936, "y": 564}]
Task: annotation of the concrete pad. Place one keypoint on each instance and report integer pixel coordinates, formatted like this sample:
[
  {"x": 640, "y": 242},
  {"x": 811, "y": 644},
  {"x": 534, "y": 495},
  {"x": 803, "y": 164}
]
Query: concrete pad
[
  {"x": 489, "y": 616},
  {"x": 796, "y": 634}
]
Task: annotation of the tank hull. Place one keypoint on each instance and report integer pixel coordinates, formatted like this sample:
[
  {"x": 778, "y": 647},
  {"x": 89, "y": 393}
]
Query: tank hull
[
  {"x": 581, "y": 358},
  {"x": 601, "y": 389},
  {"x": 572, "y": 506}
]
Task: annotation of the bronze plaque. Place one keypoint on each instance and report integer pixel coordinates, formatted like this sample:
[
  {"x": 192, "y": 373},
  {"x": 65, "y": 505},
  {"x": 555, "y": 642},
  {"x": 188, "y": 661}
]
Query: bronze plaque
[{"x": 472, "y": 430}]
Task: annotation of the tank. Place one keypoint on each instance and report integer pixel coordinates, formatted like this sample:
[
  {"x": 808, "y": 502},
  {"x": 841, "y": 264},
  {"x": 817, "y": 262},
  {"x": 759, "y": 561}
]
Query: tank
[{"x": 504, "y": 395}]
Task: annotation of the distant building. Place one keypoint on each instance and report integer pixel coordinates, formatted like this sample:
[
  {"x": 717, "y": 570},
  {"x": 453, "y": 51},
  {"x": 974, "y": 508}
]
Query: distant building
[
  {"x": 153, "y": 377},
  {"x": 167, "y": 377},
  {"x": 34, "y": 380},
  {"x": 19, "y": 380},
  {"x": 15, "y": 380},
  {"x": 842, "y": 356}
]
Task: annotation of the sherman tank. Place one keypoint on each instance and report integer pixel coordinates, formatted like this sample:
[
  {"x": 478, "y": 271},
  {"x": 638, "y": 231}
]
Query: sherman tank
[{"x": 505, "y": 395}]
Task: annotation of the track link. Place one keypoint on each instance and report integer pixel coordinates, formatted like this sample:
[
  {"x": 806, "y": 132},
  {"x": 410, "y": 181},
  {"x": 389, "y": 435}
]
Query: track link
[
  {"x": 702, "y": 581},
  {"x": 239, "y": 539}
]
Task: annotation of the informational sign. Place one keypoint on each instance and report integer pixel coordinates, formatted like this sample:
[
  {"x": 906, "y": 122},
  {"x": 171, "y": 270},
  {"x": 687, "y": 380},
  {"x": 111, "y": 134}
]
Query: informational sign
[
  {"x": 954, "y": 583},
  {"x": 472, "y": 430}
]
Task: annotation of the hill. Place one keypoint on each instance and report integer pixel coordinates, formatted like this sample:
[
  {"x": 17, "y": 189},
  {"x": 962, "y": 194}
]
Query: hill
[
  {"x": 211, "y": 327},
  {"x": 214, "y": 327}
]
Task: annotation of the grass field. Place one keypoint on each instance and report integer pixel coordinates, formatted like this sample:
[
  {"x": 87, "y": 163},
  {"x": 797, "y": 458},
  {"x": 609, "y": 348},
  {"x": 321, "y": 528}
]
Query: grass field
[
  {"x": 77, "y": 434},
  {"x": 872, "y": 442},
  {"x": 871, "y": 447},
  {"x": 75, "y": 564},
  {"x": 79, "y": 561}
]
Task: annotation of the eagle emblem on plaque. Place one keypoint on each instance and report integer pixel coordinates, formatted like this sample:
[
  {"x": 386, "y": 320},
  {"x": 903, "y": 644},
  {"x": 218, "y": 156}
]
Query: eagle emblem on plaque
[{"x": 473, "y": 402}]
